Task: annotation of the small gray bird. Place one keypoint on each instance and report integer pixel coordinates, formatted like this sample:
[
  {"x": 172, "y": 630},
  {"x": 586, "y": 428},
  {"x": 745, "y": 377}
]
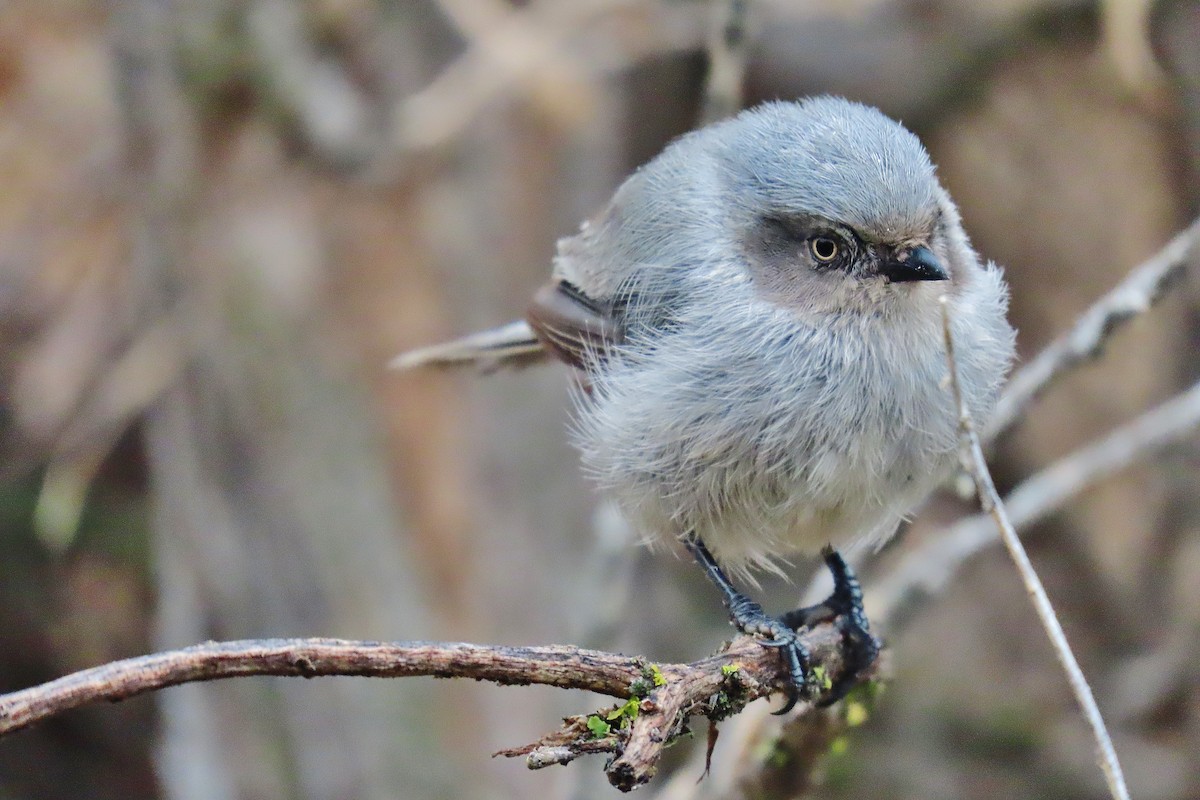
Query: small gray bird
[{"x": 755, "y": 318}]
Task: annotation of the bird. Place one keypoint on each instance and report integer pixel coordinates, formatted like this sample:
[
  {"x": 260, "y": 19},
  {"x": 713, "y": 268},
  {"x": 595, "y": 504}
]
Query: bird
[{"x": 755, "y": 322}]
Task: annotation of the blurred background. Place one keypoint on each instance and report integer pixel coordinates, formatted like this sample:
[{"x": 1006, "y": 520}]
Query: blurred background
[{"x": 220, "y": 219}]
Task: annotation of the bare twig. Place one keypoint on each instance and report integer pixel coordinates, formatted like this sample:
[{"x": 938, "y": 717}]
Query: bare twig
[
  {"x": 728, "y": 42},
  {"x": 975, "y": 463},
  {"x": 1140, "y": 290},
  {"x": 668, "y": 694}
]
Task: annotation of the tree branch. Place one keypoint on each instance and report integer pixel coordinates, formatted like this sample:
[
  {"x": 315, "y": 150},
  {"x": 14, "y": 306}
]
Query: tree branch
[{"x": 636, "y": 733}]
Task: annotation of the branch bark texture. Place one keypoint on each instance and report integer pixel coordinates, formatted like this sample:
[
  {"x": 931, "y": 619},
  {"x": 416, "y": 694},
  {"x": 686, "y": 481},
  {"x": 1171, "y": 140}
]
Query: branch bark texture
[{"x": 667, "y": 695}]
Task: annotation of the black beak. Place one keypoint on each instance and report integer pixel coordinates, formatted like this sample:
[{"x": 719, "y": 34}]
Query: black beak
[{"x": 915, "y": 264}]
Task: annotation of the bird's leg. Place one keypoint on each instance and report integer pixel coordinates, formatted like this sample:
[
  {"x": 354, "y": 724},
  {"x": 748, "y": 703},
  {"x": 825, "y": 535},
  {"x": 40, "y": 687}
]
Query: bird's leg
[
  {"x": 845, "y": 608},
  {"x": 750, "y": 618}
]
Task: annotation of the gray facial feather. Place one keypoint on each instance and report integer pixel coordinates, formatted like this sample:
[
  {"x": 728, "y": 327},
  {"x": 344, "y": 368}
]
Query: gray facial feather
[{"x": 776, "y": 416}]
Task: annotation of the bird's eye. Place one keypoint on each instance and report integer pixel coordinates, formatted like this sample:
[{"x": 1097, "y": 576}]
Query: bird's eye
[{"x": 824, "y": 248}]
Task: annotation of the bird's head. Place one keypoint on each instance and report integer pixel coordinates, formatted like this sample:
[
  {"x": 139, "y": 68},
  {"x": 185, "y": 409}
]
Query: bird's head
[{"x": 832, "y": 203}]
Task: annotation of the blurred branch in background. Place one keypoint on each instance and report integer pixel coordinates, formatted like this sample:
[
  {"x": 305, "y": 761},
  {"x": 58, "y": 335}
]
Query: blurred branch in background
[
  {"x": 1126, "y": 29},
  {"x": 927, "y": 568},
  {"x": 1135, "y": 295},
  {"x": 334, "y": 113},
  {"x": 252, "y": 474},
  {"x": 539, "y": 52},
  {"x": 729, "y": 40},
  {"x": 505, "y": 47}
]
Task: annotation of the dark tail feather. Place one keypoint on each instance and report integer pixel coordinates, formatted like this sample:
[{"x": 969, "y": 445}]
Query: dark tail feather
[{"x": 510, "y": 345}]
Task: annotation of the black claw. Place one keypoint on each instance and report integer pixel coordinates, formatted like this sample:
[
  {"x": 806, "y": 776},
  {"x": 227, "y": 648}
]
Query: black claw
[
  {"x": 844, "y": 606},
  {"x": 797, "y": 656}
]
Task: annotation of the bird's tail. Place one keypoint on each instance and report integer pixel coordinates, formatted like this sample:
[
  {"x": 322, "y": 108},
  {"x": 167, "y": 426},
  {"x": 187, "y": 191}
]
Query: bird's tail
[{"x": 509, "y": 345}]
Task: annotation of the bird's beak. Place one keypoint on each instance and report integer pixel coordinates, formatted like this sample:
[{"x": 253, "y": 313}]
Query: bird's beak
[{"x": 914, "y": 264}]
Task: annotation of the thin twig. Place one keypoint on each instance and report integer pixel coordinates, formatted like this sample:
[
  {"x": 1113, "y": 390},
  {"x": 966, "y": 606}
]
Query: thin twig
[
  {"x": 716, "y": 687},
  {"x": 928, "y": 567},
  {"x": 728, "y": 42},
  {"x": 975, "y": 463},
  {"x": 1138, "y": 293}
]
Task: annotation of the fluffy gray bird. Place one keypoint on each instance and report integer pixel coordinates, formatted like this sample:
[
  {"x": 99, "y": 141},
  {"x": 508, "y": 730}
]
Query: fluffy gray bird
[{"x": 756, "y": 319}]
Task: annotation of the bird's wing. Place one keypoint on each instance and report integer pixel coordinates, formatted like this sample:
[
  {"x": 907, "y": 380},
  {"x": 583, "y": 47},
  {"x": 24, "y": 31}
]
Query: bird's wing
[
  {"x": 561, "y": 321},
  {"x": 571, "y": 325}
]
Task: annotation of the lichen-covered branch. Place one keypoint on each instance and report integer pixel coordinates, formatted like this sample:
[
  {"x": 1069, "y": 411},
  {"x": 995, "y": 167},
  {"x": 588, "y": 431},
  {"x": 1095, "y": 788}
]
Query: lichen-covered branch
[{"x": 658, "y": 699}]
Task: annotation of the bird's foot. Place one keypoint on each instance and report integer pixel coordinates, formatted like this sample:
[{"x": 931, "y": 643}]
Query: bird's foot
[
  {"x": 844, "y": 607},
  {"x": 749, "y": 618}
]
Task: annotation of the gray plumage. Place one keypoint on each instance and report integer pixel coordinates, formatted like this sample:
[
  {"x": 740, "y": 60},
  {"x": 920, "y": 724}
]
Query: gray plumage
[{"x": 764, "y": 397}]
